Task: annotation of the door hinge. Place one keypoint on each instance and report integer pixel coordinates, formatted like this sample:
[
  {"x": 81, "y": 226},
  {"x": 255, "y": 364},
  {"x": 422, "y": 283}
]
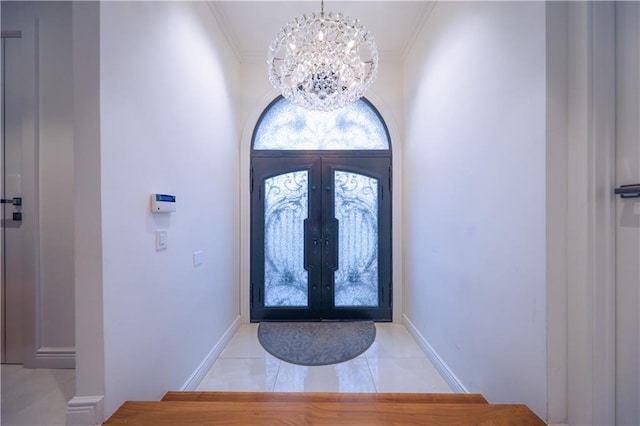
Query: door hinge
[
  {"x": 251, "y": 179},
  {"x": 390, "y": 179}
]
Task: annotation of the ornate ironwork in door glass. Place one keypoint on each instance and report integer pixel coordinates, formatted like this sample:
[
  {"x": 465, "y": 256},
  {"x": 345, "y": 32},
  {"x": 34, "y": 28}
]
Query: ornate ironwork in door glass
[
  {"x": 356, "y": 209},
  {"x": 287, "y": 126},
  {"x": 285, "y": 209}
]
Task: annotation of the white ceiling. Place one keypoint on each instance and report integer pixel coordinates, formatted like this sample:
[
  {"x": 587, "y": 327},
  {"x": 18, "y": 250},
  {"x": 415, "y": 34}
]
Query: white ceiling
[{"x": 250, "y": 26}]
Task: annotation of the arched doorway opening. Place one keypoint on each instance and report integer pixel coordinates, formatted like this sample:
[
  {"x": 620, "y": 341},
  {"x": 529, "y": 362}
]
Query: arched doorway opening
[{"x": 320, "y": 214}]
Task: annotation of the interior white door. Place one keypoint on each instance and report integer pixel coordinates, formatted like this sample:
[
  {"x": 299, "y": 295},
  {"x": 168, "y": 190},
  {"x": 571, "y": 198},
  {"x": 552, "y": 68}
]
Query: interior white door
[
  {"x": 12, "y": 229},
  {"x": 627, "y": 214}
]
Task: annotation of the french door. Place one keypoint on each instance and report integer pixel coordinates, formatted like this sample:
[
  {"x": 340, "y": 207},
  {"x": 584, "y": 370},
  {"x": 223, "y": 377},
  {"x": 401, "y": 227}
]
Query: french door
[{"x": 321, "y": 237}]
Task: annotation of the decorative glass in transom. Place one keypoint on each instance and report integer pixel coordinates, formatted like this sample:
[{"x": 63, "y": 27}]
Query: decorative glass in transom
[{"x": 285, "y": 126}]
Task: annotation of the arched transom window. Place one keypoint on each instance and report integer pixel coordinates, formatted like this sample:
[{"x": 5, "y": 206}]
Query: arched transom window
[{"x": 285, "y": 126}]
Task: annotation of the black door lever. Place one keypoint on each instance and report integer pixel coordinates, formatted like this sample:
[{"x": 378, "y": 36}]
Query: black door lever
[
  {"x": 16, "y": 201},
  {"x": 628, "y": 191}
]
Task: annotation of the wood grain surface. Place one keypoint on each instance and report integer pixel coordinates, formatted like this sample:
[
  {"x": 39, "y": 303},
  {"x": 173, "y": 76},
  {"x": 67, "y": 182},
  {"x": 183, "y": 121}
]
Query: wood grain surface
[
  {"x": 320, "y": 409},
  {"x": 422, "y": 398}
]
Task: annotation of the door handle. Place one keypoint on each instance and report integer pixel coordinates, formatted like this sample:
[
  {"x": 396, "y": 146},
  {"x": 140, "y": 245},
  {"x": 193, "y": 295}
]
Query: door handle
[
  {"x": 628, "y": 191},
  {"x": 311, "y": 233},
  {"x": 16, "y": 201},
  {"x": 331, "y": 245}
]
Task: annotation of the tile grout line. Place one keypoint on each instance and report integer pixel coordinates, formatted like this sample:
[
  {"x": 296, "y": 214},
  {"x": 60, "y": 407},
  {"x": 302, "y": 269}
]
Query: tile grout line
[
  {"x": 254, "y": 335},
  {"x": 275, "y": 381},
  {"x": 366, "y": 357},
  {"x": 375, "y": 386}
]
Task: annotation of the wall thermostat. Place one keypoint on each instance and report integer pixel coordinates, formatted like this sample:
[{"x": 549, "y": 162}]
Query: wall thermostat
[{"x": 163, "y": 203}]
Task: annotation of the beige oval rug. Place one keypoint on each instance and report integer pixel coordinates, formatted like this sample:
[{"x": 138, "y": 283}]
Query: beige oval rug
[{"x": 316, "y": 343}]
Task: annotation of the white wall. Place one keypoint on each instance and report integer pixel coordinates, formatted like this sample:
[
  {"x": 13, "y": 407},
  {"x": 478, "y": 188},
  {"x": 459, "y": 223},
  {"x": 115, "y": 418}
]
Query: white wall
[
  {"x": 55, "y": 327},
  {"x": 475, "y": 196},
  {"x": 167, "y": 87}
]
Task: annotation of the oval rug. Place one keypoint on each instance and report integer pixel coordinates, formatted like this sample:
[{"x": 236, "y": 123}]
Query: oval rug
[{"x": 316, "y": 343}]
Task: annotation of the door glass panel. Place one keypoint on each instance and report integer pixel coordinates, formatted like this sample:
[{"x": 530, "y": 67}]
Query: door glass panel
[
  {"x": 285, "y": 207},
  {"x": 356, "y": 209}
]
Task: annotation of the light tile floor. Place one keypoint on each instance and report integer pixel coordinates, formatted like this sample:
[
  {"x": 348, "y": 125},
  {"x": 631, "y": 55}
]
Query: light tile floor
[
  {"x": 393, "y": 363},
  {"x": 35, "y": 397}
]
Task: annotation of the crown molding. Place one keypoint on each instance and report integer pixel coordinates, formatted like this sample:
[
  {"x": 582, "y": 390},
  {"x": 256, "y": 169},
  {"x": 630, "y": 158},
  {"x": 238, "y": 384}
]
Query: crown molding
[
  {"x": 221, "y": 19},
  {"x": 406, "y": 51}
]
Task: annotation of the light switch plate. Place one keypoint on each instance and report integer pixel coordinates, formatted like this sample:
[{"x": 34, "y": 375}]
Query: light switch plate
[
  {"x": 198, "y": 257},
  {"x": 161, "y": 239}
]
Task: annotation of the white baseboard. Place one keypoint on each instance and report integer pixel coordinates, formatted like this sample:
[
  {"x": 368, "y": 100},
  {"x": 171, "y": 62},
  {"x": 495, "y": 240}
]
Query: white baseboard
[
  {"x": 194, "y": 380},
  {"x": 85, "y": 411},
  {"x": 435, "y": 359},
  {"x": 56, "y": 357}
]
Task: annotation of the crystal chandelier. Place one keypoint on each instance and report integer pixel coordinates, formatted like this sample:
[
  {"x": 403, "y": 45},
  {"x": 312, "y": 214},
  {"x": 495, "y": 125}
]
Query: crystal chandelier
[{"x": 322, "y": 62}]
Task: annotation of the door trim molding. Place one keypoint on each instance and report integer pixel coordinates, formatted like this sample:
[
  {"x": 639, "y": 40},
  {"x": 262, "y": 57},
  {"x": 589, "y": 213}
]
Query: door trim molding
[
  {"x": 556, "y": 209},
  {"x": 591, "y": 214}
]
